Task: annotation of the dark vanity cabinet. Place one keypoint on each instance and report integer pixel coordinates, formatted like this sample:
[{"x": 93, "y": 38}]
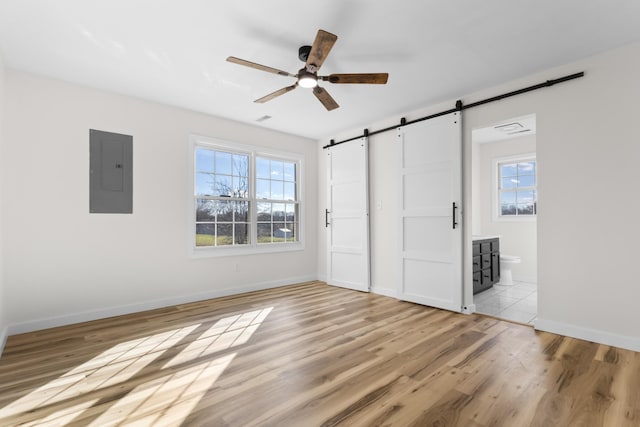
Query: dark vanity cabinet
[{"x": 486, "y": 264}]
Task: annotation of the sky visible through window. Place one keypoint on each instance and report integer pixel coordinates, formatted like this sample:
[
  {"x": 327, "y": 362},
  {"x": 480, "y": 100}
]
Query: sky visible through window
[{"x": 518, "y": 195}]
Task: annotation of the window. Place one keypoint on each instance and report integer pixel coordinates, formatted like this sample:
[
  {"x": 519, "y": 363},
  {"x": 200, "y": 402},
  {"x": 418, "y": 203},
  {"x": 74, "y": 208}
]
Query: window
[
  {"x": 517, "y": 188},
  {"x": 245, "y": 199}
]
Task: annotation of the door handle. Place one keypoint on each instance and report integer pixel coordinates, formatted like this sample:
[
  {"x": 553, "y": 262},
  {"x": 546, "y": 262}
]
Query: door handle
[
  {"x": 326, "y": 218},
  {"x": 453, "y": 215}
]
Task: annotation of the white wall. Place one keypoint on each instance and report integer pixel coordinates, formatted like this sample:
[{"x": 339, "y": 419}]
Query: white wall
[
  {"x": 516, "y": 237},
  {"x": 3, "y": 304},
  {"x": 63, "y": 264},
  {"x": 587, "y": 150}
]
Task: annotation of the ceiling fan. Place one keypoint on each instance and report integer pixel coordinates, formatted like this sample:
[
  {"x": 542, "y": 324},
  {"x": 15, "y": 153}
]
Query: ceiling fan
[{"x": 313, "y": 57}]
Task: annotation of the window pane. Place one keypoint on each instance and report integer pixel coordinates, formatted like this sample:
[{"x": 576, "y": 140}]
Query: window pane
[
  {"x": 263, "y": 168},
  {"x": 223, "y": 163},
  {"x": 508, "y": 197},
  {"x": 292, "y": 237},
  {"x": 264, "y": 212},
  {"x": 240, "y": 186},
  {"x": 508, "y": 203},
  {"x": 205, "y": 235},
  {"x": 204, "y": 160},
  {"x": 525, "y": 209},
  {"x": 508, "y": 170},
  {"x": 278, "y": 212},
  {"x": 241, "y": 213},
  {"x": 508, "y": 209},
  {"x": 527, "y": 180},
  {"x": 225, "y": 210},
  {"x": 289, "y": 171},
  {"x": 263, "y": 189},
  {"x": 291, "y": 212},
  {"x": 277, "y": 190},
  {"x": 241, "y": 234},
  {"x": 280, "y": 233},
  {"x": 240, "y": 165},
  {"x": 289, "y": 191},
  {"x": 277, "y": 169},
  {"x": 526, "y": 196},
  {"x": 204, "y": 184},
  {"x": 509, "y": 183},
  {"x": 264, "y": 233},
  {"x": 205, "y": 210},
  {"x": 225, "y": 235},
  {"x": 223, "y": 186},
  {"x": 527, "y": 168}
]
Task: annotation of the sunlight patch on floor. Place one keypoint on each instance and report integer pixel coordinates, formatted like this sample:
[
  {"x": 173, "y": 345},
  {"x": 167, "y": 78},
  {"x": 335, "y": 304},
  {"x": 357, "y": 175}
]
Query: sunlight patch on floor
[{"x": 168, "y": 398}]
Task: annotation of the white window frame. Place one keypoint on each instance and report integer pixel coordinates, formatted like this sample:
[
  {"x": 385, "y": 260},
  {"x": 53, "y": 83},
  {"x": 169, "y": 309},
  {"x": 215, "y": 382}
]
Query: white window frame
[
  {"x": 253, "y": 247},
  {"x": 495, "y": 183}
]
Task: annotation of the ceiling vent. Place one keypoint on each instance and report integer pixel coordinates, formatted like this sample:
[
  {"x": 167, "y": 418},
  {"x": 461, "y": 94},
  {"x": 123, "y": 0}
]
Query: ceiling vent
[{"x": 510, "y": 128}]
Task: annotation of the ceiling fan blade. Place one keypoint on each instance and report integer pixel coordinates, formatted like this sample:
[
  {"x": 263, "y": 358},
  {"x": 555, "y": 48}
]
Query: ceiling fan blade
[
  {"x": 276, "y": 94},
  {"x": 368, "y": 78},
  {"x": 320, "y": 50},
  {"x": 258, "y": 66},
  {"x": 326, "y": 99}
]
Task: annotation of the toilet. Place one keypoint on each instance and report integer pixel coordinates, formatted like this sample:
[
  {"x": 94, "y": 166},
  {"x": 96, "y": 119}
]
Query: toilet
[{"x": 506, "y": 262}]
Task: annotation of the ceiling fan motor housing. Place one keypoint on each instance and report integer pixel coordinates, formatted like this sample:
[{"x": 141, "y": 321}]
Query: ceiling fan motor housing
[{"x": 303, "y": 53}]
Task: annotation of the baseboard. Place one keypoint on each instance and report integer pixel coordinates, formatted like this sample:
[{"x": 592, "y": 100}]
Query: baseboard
[
  {"x": 594, "y": 335},
  {"x": 86, "y": 316},
  {"x": 321, "y": 277},
  {"x": 525, "y": 279},
  {"x": 469, "y": 309},
  {"x": 387, "y": 292}
]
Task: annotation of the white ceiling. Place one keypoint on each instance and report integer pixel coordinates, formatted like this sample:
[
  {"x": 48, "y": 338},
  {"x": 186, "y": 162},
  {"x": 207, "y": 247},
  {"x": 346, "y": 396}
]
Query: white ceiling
[{"x": 174, "y": 52}]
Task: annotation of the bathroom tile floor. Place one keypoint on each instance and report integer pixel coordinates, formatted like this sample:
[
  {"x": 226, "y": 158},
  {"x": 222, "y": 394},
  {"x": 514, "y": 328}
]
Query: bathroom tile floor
[{"x": 518, "y": 302}]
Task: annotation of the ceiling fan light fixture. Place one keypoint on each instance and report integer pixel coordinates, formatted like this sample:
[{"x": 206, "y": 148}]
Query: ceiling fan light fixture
[{"x": 309, "y": 81}]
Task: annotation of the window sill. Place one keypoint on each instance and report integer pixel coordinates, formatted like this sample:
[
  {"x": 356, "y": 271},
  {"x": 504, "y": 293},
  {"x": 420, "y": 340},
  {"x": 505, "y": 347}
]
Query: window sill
[{"x": 215, "y": 252}]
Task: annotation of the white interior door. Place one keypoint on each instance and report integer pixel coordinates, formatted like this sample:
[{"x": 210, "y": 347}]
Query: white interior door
[
  {"x": 347, "y": 216},
  {"x": 431, "y": 238}
]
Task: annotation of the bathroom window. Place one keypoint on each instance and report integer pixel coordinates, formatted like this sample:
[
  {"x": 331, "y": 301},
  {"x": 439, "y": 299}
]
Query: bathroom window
[{"x": 516, "y": 185}]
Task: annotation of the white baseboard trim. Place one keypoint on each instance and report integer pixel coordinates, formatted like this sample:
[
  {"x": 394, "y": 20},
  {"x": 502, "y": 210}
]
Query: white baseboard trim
[
  {"x": 322, "y": 277},
  {"x": 86, "y": 316},
  {"x": 593, "y": 335},
  {"x": 469, "y": 309},
  {"x": 387, "y": 292},
  {"x": 525, "y": 279}
]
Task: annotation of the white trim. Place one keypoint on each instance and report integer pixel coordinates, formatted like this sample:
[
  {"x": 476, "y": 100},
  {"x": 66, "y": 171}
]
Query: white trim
[
  {"x": 86, "y": 316},
  {"x": 593, "y": 335},
  {"x": 3, "y": 339},
  {"x": 387, "y": 292},
  {"x": 496, "y": 217},
  {"x": 469, "y": 309},
  {"x": 253, "y": 151}
]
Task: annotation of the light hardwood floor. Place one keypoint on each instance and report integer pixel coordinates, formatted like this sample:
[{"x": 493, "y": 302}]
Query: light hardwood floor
[{"x": 313, "y": 355}]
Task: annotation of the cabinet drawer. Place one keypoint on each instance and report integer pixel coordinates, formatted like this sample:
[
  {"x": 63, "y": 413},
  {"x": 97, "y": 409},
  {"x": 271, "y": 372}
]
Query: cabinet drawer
[
  {"x": 477, "y": 263},
  {"x": 476, "y": 249},
  {"x": 485, "y": 247},
  {"x": 495, "y": 245},
  {"x": 486, "y": 277},
  {"x": 485, "y": 261}
]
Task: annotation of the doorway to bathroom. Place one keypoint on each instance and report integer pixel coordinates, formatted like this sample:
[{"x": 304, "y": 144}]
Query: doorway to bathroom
[{"x": 504, "y": 219}]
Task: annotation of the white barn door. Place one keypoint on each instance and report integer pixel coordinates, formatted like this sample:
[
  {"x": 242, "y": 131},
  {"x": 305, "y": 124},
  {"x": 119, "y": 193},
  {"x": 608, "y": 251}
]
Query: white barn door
[
  {"x": 347, "y": 216},
  {"x": 430, "y": 193}
]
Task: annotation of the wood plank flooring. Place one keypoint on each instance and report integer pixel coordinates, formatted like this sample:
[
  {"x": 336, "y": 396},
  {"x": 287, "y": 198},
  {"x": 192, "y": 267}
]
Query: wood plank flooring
[{"x": 313, "y": 355}]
